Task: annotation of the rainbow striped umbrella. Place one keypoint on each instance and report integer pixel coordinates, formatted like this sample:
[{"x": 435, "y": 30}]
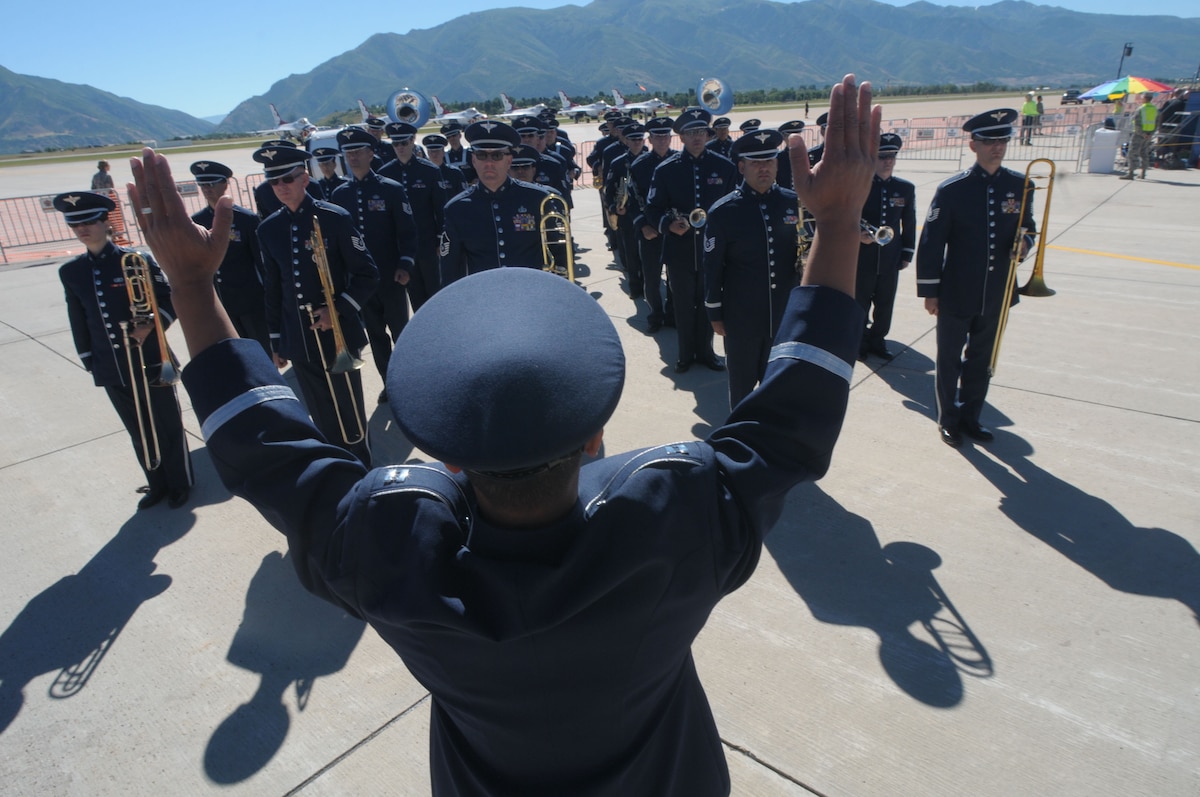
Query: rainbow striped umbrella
[{"x": 1122, "y": 86}]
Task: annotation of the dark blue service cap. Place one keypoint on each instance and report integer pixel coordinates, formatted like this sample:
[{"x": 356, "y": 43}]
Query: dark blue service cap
[
  {"x": 635, "y": 130},
  {"x": 823, "y": 119},
  {"x": 80, "y": 207},
  {"x": 612, "y": 114},
  {"x": 451, "y": 128},
  {"x": 750, "y": 125},
  {"x": 278, "y": 161},
  {"x": 490, "y": 134},
  {"x": 400, "y": 131},
  {"x": 209, "y": 172},
  {"x": 693, "y": 119},
  {"x": 434, "y": 141},
  {"x": 278, "y": 142},
  {"x": 325, "y": 154},
  {"x": 660, "y": 125},
  {"x": 992, "y": 125},
  {"x": 526, "y": 125},
  {"x": 526, "y": 156},
  {"x": 758, "y": 145},
  {"x": 791, "y": 127},
  {"x": 890, "y": 143},
  {"x": 505, "y": 370},
  {"x": 374, "y": 122},
  {"x": 721, "y": 121},
  {"x": 355, "y": 138}
]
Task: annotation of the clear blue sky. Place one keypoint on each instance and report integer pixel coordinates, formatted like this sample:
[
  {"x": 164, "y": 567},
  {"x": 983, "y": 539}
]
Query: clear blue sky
[{"x": 209, "y": 56}]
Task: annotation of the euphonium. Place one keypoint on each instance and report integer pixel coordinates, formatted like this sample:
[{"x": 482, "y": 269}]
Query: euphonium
[
  {"x": 343, "y": 361},
  {"x": 143, "y": 307},
  {"x": 1036, "y": 286},
  {"x": 556, "y": 220}
]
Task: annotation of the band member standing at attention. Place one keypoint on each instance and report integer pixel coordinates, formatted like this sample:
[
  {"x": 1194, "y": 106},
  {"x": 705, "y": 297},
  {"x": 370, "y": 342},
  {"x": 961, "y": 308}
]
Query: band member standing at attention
[
  {"x": 510, "y": 579},
  {"x": 682, "y": 190},
  {"x": 239, "y": 279},
  {"x": 892, "y": 203},
  {"x": 650, "y": 243},
  {"x": 750, "y": 261},
  {"x": 815, "y": 154},
  {"x": 326, "y": 158},
  {"x": 619, "y": 203},
  {"x": 722, "y": 143},
  {"x": 380, "y": 211},
  {"x": 783, "y": 176},
  {"x": 424, "y": 186},
  {"x": 962, "y": 269},
  {"x": 453, "y": 181},
  {"x": 298, "y": 317},
  {"x": 495, "y": 222},
  {"x": 265, "y": 201},
  {"x": 456, "y": 153},
  {"x": 383, "y": 150},
  {"x": 98, "y": 303},
  {"x": 551, "y": 170}
]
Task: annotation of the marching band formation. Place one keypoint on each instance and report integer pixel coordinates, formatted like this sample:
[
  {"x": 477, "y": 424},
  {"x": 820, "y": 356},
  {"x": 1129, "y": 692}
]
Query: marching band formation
[{"x": 325, "y": 265}]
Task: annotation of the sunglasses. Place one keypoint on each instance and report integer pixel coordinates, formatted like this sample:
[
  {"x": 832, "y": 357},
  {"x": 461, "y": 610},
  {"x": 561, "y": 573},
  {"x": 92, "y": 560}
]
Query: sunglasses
[
  {"x": 287, "y": 179},
  {"x": 491, "y": 154},
  {"x": 887, "y": 157},
  {"x": 76, "y": 224}
]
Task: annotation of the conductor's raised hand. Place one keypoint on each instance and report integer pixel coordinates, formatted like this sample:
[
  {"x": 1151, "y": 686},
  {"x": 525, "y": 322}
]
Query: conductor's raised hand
[{"x": 186, "y": 251}]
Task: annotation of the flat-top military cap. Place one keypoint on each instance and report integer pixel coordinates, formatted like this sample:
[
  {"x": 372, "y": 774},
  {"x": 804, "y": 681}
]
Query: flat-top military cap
[
  {"x": 611, "y": 114},
  {"x": 693, "y": 119},
  {"x": 992, "y": 124},
  {"x": 434, "y": 141},
  {"x": 536, "y": 371},
  {"x": 758, "y": 145},
  {"x": 528, "y": 124},
  {"x": 793, "y": 126},
  {"x": 400, "y": 131},
  {"x": 890, "y": 144},
  {"x": 81, "y": 207},
  {"x": 209, "y": 172},
  {"x": 660, "y": 126},
  {"x": 490, "y": 134},
  {"x": 325, "y": 154},
  {"x": 278, "y": 142},
  {"x": 278, "y": 161},
  {"x": 635, "y": 131},
  {"x": 375, "y": 123},
  {"x": 526, "y": 156},
  {"x": 722, "y": 122},
  {"x": 451, "y": 129},
  {"x": 823, "y": 119},
  {"x": 750, "y": 124},
  {"x": 354, "y": 138},
  {"x": 624, "y": 122}
]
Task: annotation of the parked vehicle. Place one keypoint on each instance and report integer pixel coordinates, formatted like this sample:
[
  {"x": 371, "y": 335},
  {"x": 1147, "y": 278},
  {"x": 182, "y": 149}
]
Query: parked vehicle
[{"x": 1071, "y": 97}]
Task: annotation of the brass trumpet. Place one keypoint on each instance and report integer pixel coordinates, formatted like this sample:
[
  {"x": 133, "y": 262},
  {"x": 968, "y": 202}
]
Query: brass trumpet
[
  {"x": 696, "y": 219},
  {"x": 1036, "y": 285},
  {"x": 553, "y": 218},
  {"x": 343, "y": 361},
  {"x": 143, "y": 307},
  {"x": 881, "y": 235}
]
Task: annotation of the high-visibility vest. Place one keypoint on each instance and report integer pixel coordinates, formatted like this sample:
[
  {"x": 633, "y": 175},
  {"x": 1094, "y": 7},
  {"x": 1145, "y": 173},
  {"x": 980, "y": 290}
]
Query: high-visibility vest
[{"x": 1148, "y": 116}]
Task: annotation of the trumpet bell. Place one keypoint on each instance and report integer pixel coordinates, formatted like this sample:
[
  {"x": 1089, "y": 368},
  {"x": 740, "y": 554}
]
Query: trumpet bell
[
  {"x": 698, "y": 218},
  {"x": 715, "y": 95},
  {"x": 409, "y": 105}
]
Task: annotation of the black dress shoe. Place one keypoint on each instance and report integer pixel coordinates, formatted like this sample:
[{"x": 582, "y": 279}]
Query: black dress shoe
[
  {"x": 881, "y": 350},
  {"x": 951, "y": 437},
  {"x": 177, "y": 498},
  {"x": 152, "y": 497},
  {"x": 682, "y": 366},
  {"x": 977, "y": 432},
  {"x": 712, "y": 362}
]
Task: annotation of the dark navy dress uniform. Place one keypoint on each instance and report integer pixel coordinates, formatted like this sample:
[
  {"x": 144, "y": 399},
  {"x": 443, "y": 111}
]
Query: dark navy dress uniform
[
  {"x": 628, "y": 233},
  {"x": 963, "y": 260},
  {"x": 239, "y": 280},
  {"x": 266, "y": 203},
  {"x": 558, "y": 658},
  {"x": 380, "y": 213},
  {"x": 891, "y": 203},
  {"x": 486, "y": 229},
  {"x": 683, "y": 183},
  {"x": 650, "y": 249},
  {"x": 749, "y": 271},
  {"x": 97, "y": 303},
  {"x": 425, "y": 186},
  {"x": 291, "y": 281}
]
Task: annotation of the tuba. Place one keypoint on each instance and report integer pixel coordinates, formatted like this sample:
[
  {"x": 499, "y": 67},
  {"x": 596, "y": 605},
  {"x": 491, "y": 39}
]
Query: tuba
[
  {"x": 143, "y": 307},
  {"x": 408, "y": 105},
  {"x": 553, "y": 220},
  {"x": 1036, "y": 285},
  {"x": 343, "y": 361}
]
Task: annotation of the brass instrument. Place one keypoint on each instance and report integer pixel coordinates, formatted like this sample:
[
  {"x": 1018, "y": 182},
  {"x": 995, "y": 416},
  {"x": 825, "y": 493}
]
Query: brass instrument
[
  {"x": 597, "y": 180},
  {"x": 553, "y": 218},
  {"x": 804, "y": 238},
  {"x": 881, "y": 235},
  {"x": 1036, "y": 285},
  {"x": 614, "y": 218},
  {"x": 343, "y": 361},
  {"x": 696, "y": 219},
  {"x": 143, "y": 307}
]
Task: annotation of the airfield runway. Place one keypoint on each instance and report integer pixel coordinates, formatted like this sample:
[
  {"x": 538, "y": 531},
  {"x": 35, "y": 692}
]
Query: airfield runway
[{"x": 1011, "y": 619}]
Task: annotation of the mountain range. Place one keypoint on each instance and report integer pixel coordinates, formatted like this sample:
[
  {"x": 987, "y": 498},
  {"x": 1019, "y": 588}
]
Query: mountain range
[{"x": 666, "y": 45}]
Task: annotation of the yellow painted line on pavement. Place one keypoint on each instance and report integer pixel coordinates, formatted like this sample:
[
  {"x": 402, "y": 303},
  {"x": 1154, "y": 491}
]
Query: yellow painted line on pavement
[{"x": 1170, "y": 263}]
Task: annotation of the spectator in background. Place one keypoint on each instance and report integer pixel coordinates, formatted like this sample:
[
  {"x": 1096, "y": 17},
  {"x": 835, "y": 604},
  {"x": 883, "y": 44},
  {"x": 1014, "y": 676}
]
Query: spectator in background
[
  {"x": 1029, "y": 118},
  {"x": 102, "y": 179}
]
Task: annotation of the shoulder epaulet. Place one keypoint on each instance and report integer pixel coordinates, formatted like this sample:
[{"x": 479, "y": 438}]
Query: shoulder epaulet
[
  {"x": 685, "y": 453},
  {"x": 425, "y": 480},
  {"x": 725, "y": 200}
]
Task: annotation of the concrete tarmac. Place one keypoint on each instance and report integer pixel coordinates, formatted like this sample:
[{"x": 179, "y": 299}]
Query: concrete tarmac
[{"x": 1017, "y": 618}]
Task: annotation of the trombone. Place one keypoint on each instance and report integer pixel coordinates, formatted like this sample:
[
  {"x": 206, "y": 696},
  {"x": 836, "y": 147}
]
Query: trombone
[
  {"x": 554, "y": 219},
  {"x": 1036, "y": 286},
  {"x": 143, "y": 309},
  {"x": 343, "y": 361}
]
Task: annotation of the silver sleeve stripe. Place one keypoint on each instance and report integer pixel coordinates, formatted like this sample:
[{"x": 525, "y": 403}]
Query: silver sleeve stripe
[
  {"x": 934, "y": 281},
  {"x": 712, "y": 304},
  {"x": 245, "y": 401},
  {"x": 353, "y": 303},
  {"x": 811, "y": 354}
]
